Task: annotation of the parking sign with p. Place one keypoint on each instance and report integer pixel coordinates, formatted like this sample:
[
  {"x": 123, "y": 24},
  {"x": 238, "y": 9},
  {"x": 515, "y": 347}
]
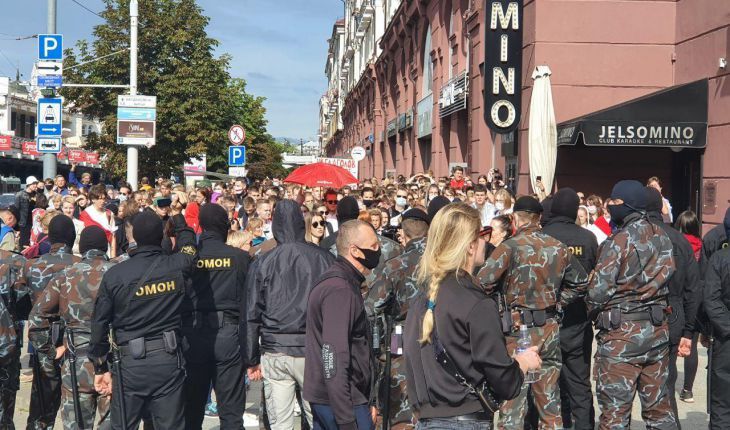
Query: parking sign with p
[
  {"x": 236, "y": 156},
  {"x": 50, "y": 47}
]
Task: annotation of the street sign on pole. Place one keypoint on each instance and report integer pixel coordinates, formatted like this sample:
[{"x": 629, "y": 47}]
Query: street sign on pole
[
  {"x": 50, "y": 47},
  {"x": 50, "y": 113},
  {"x": 236, "y": 156},
  {"x": 137, "y": 101},
  {"x": 53, "y": 81},
  {"x": 236, "y": 135},
  {"x": 358, "y": 153},
  {"x": 49, "y": 68},
  {"x": 136, "y": 114},
  {"x": 49, "y": 145},
  {"x": 136, "y": 132}
]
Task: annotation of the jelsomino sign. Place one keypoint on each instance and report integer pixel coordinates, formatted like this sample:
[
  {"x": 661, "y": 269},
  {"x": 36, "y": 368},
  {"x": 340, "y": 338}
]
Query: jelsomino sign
[{"x": 503, "y": 65}]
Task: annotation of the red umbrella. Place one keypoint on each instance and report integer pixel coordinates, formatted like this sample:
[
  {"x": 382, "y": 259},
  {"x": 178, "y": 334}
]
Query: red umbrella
[{"x": 321, "y": 175}]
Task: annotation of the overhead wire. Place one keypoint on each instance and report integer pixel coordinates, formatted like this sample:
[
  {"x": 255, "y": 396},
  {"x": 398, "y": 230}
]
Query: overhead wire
[{"x": 86, "y": 8}]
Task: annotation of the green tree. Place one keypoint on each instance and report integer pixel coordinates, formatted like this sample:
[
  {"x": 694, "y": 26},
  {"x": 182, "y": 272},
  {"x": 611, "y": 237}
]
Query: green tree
[{"x": 197, "y": 101}]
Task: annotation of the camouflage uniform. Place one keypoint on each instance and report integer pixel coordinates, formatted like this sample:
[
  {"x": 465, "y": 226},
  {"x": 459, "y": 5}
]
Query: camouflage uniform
[
  {"x": 38, "y": 273},
  {"x": 389, "y": 295},
  {"x": 632, "y": 273},
  {"x": 71, "y": 295},
  {"x": 531, "y": 269},
  {"x": 11, "y": 268}
]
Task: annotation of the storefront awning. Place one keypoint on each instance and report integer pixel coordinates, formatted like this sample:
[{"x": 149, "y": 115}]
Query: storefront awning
[{"x": 674, "y": 117}]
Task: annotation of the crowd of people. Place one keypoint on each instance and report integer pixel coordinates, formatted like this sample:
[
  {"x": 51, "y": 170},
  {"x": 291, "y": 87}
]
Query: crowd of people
[{"x": 399, "y": 302}]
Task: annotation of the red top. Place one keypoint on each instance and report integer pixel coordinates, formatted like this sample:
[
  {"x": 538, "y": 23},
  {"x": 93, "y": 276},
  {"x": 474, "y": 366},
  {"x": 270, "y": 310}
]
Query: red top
[
  {"x": 192, "y": 210},
  {"x": 457, "y": 185},
  {"x": 696, "y": 243}
]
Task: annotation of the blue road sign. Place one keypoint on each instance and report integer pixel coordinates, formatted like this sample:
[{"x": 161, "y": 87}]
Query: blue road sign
[
  {"x": 52, "y": 81},
  {"x": 236, "y": 156},
  {"x": 50, "y": 47},
  {"x": 136, "y": 114},
  {"x": 50, "y": 112},
  {"x": 51, "y": 145}
]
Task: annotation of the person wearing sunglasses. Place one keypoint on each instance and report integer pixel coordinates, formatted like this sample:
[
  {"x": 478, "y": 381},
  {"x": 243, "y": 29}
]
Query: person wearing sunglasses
[
  {"x": 314, "y": 224},
  {"x": 330, "y": 202}
]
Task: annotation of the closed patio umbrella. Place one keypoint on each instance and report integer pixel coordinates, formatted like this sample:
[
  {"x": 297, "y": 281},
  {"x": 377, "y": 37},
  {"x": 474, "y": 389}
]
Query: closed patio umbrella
[{"x": 542, "y": 133}]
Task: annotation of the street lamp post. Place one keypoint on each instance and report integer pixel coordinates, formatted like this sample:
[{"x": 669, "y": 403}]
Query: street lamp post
[{"x": 132, "y": 150}]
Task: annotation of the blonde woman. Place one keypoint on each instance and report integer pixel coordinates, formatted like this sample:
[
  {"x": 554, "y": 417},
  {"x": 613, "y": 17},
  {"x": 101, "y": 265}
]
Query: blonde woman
[
  {"x": 503, "y": 202},
  {"x": 68, "y": 207},
  {"x": 457, "y": 313},
  {"x": 240, "y": 239}
]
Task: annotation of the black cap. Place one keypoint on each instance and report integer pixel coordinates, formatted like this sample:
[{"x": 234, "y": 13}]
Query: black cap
[
  {"x": 528, "y": 204},
  {"x": 93, "y": 237},
  {"x": 62, "y": 230},
  {"x": 565, "y": 203},
  {"x": 13, "y": 210},
  {"x": 347, "y": 209},
  {"x": 147, "y": 229},
  {"x": 415, "y": 213},
  {"x": 436, "y": 205},
  {"x": 631, "y": 192}
]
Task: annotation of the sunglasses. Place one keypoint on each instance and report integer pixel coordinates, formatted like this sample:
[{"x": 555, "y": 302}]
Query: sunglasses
[
  {"x": 317, "y": 224},
  {"x": 332, "y": 202},
  {"x": 322, "y": 212},
  {"x": 486, "y": 231}
]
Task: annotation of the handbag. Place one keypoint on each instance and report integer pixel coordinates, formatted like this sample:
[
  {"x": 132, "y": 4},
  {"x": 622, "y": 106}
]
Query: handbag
[{"x": 483, "y": 392}]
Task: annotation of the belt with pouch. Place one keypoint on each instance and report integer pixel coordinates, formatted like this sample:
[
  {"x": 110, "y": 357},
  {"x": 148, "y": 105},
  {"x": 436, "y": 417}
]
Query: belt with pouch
[
  {"x": 611, "y": 319},
  {"x": 533, "y": 317},
  {"x": 209, "y": 319},
  {"x": 139, "y": 347}
]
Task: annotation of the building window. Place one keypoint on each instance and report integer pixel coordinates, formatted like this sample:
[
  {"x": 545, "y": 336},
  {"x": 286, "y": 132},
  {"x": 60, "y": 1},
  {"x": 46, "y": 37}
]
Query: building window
[
  {"x": 452, "y": 51},
  {"x": 31, "y": 129},
  {"x": 13, "y": 119},
  {"x": 22, "y": 126},
  {"x": 427, "y": 64}
]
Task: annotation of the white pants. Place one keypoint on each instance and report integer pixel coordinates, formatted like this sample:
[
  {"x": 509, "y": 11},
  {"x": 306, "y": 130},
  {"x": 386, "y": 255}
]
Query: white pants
[{"x": 282, "y": 373}]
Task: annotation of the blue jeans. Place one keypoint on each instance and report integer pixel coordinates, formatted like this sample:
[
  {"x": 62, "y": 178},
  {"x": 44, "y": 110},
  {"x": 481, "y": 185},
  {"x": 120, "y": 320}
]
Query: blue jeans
[
  {"x": 451, "y": 424},
  {"x": 324, "y": 417}
]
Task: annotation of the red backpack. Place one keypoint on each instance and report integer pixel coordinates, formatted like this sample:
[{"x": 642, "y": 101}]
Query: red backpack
[{"x": 34, "y": 250}]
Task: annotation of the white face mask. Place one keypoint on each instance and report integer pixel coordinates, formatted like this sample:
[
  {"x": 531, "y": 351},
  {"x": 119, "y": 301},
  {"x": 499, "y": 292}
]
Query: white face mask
[
  {"x": 122, "y": 198},
  {"x": 401, "y": 201},
  {"x": 592, "y": 210},
  {"x": 499, "y": 206}
]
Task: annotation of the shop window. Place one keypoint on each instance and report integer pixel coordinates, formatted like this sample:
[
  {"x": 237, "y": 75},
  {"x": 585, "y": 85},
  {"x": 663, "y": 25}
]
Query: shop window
[{"x": 424, "y": 148}]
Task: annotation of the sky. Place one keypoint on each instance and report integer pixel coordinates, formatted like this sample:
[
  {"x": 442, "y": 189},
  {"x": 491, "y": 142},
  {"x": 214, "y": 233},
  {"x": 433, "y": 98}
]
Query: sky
[{"x": 278, "y": 46}]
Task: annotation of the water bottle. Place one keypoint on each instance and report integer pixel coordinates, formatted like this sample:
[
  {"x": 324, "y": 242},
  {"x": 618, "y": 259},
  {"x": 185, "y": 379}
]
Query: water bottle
[{"x": 523, "y": 345}]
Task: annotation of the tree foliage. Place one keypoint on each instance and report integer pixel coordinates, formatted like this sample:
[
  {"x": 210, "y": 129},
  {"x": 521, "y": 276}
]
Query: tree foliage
[{"x": 197, "y": 100}]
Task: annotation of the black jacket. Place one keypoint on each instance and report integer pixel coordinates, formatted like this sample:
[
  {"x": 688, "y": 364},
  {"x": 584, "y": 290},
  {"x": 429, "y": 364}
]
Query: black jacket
[
  {"x": 149, "y": 309},
  {"x": 337, "y": 368},
  {"x": 685, "y": 288},
  {"x": 584, "y": 247},
  {"x": 219, "y": 277},
  {"x": 714, "y": 240},
  {"x": 278, "y": 285},
  {"x": 467, "y": 322},
  {"x": 717, "y": 293}
]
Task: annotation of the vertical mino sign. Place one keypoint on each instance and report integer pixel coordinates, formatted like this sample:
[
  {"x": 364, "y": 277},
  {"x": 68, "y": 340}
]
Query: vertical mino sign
[{"x": 503, "y": 65}]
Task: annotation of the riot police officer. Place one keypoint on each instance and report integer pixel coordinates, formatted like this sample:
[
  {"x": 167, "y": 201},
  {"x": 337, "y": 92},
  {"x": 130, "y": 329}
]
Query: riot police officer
[
  {"x": 11, "y": 334},
  {"x": 576, "y": 333},
  {"x": 627, "y": 296},
  {"x": 141, "y": 299},
  {"x": 211, "y": 325}
]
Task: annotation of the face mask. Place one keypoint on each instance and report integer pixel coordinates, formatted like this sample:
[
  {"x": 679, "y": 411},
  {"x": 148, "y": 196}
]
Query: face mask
[
  {"x": 276, "y": 184},
  {"x": 618, "y": 213},
  {"x": 592, "y": 210},
  {"x": 122, "y": 198},
  {"x": 499, "y": 206},
  {"x": 401, "y": 201},
  {"x": 371, "y": 258},
  {"x": 49, "y": 187},
  {"x": 367, "y": 203}
]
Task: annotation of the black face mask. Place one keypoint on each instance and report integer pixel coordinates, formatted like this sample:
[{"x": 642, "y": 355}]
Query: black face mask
[
  {"x": 49, "y": 187},
  {"x": 368, "y": 203},
  {"x": 371, "y": 258},
  {"x": 619, "y": 213}
]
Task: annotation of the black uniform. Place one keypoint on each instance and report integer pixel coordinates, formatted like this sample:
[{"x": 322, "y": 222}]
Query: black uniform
[
  {"x": 211, "y": 325},
  {"x": 684, "y": 291},
  {"x": 717, "y": 303},
  {"x": 714, "y": 240},
  {"x": 576, "y": 334},
  {"x": 142, "y": 298}
]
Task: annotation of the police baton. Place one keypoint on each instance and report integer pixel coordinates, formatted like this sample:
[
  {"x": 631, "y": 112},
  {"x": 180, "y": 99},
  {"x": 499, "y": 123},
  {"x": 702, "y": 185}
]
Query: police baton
[
  {"x": 117, "y": 367},
  {"x": 710, "y": 350},
  {"x": 71, "y": 354}
]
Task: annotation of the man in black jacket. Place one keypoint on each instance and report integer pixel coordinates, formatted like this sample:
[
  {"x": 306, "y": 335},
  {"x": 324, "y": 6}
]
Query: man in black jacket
[
  {"x": 278, "y": 286},
  {"x": 142, "y": 299},
  {"x": 716, "y": 303},
  {"x": 338, "y": 369},
  {"x": 576, "y": 334},
  {"x": 211, "y": 325},
  {"x": 715, "y": 240},
  {"x": 684, "y": 292},
  {"x": 24, "y": 202}
]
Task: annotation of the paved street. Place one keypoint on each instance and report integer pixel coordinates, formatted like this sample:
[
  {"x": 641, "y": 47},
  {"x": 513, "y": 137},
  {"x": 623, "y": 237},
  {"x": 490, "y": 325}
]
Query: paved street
[{"x": 693, "y": 415}]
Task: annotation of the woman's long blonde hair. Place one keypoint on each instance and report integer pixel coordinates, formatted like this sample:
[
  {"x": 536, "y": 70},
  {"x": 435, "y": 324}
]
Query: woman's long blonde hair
[{"x": 452, "y": 231}]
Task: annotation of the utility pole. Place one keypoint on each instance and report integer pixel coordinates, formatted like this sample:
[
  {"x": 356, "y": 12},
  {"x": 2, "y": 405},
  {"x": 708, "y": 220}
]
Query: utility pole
[
  {"x": 132, "y": 150},
  {"x": 301, "y": 146},
  {"x": 49, "y": 160}
]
